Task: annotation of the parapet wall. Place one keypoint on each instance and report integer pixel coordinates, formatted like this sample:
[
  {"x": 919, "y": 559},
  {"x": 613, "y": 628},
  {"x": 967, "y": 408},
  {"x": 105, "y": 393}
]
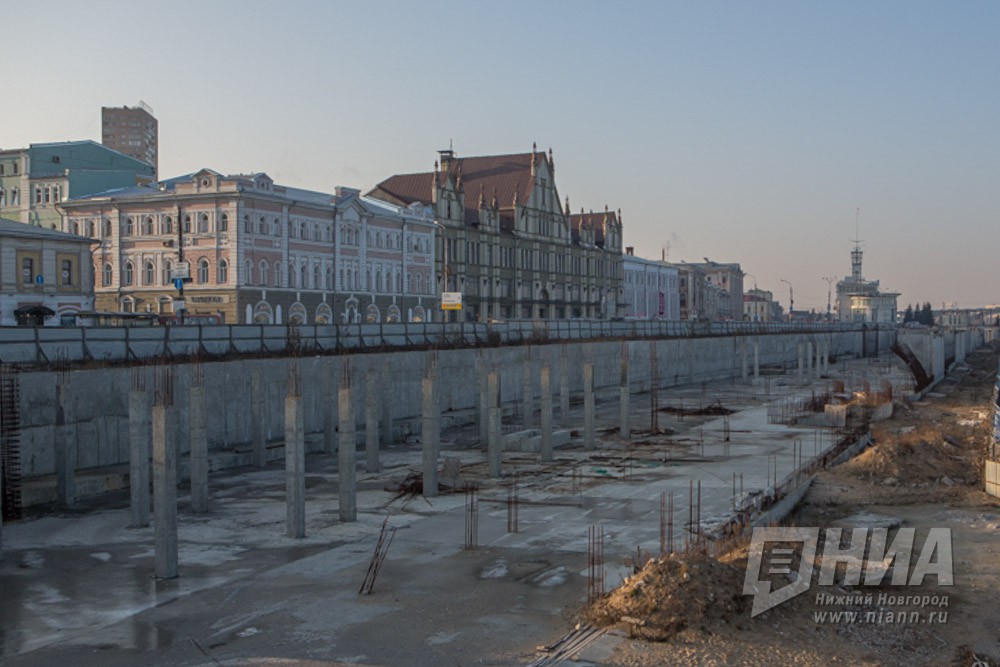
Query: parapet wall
[{"x": 95, "y": 406}]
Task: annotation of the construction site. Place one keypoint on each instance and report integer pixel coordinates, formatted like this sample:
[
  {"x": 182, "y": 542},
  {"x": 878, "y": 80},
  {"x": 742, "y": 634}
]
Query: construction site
[{"x": 577, "y": 504}]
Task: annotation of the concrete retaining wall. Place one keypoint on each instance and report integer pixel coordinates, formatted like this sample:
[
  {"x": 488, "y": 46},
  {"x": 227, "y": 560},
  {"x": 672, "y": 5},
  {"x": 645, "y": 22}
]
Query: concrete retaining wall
[{"x": 96, "y": 413}]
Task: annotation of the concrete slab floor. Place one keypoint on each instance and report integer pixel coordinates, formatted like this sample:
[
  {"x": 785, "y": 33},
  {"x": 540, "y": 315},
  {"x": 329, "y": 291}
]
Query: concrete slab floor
[{"x": 78, "y": 588}]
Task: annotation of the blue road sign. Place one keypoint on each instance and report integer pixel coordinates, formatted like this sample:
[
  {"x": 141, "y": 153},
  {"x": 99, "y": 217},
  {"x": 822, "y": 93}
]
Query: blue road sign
[
  {"x": 39, "y": 280},
  {"x": 178, "y": 283}
]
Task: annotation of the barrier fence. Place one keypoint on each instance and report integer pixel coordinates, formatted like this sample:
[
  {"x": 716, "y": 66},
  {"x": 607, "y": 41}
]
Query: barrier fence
[{"x": 43, "y": 345}]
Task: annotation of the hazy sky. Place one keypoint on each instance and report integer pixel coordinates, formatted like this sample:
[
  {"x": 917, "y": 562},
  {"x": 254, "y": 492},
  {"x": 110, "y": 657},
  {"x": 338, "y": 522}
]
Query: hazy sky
[{"x": 741, "y": 131}]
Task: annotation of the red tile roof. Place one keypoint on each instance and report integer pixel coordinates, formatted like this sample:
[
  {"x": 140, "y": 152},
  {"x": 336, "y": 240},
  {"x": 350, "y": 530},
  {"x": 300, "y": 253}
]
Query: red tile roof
[
  {"x": 501, "y": 176},
  {"x": 592, "y": 219}
]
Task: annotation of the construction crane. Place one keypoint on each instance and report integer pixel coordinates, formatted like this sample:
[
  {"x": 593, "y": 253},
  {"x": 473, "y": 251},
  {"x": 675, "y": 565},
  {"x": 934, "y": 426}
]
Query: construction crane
[
  {"x": 829, "y": 290},
  {"x": 791, "y": 298}
]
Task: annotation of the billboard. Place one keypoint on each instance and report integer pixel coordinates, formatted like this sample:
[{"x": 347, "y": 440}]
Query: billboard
[{"x": 451, "y": 301}]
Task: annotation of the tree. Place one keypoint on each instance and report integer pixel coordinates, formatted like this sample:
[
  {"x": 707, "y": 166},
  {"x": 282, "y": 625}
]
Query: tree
[
  {"x": 927, "y": 315},
  {"x": 908, "y": 315}
]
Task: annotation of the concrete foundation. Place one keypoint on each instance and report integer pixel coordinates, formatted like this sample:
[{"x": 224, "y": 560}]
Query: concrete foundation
[
  {"x": 199, "y": 449},
  {"x": 371, "y": 421},
  {"x": 527, "y": 390},
  {"x": 258, "y": 413},
  {"x": 164, "y": 492},
  {"x": 430, "y": 439},
  {"x": 546, "y": 414},
  {"x": 347, "y": 445},
  {"x": 589, "y": 407},
  {"x": 563, "y": 386},
  {"x": 139, "y": 453},
  {"x": 624, "y": 392},
  {"x": 295, "y": 468},
  {"x": 494, "y": 453},
  {"x": 329, "y": 402},
  {"x": 385, "y": 431},
  {"x": 66, "y": 456}
]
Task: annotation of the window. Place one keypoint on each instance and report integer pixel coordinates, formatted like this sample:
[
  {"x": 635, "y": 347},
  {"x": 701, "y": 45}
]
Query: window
[
  {"x": 15, "y": 196},
  {"x": 15, "y": 168},
  {"x": 224, "y": 223},
  {"x": 168, "y": 268},
  {"x": 223, "y": 272},
  {"x": 168, "y": 225},
  {"x": 47, "y": 194},
  {"x": 3, "y": 198},
  {"x": 263, "y": 273},
  {"x": 27, "y": 271},
  {"x": 147, "y": 226},
  {"x": 187, "y": 224},
  {"x": 106, "y": 276},
  {"x": 247, "y": 227},
  {"x": 90, "y": 228},
  {"x": 262, "y": 226},
  {"x": 128, "y": 227},
  {"x": 128, "y": 274},
  {"x": 202, "y": 271},
  {"x": 74, "y": 228},
  {"x": 38, "y": 194},
  {"x": 203, "y": 223},
  {"x": 149, "y": 273},
  {"x": 277, "y": 274}
]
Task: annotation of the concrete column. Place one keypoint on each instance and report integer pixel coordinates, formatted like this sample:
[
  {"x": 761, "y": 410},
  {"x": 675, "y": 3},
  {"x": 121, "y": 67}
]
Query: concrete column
[
  {"x": 809, "y": 358},
  {"x": 624, "y": 429},
  {"x": 430, "y": 438},
  {"x": 347, "y": 476},
  {"x": 386, "y": 401},
  {"x": 798, "y": 348},
  {"x": 744, "y": 363},
  {"x": 483, "y": 414},
  {"x": 65, "y": 447},
  {"x": 564, "y": 388},
  {"x": 545, "y": 381},
  {"x": 494, "y": 447},
  {"x": 371, "y": 421},
  {"x": 295, "y": 466},
  {"x": 199, "y": 448},
  {"x": 258, "y": 418},
  {"x": 329, "y": 404},
  {"x": 588, "y": 405},
  {"x": 826, "y": 357},
  {"x": 164, "y": 492},
  {"x": 818, "y": 365},
  {"x": 756, "y": 360},
  {"x": 527, "y": 390},
  {"x": 138, "y": 460}
]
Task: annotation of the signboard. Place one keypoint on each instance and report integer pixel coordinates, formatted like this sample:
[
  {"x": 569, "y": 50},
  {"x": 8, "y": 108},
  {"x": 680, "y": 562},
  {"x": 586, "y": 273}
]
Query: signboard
[
  {"x": 179, "y": 283},
  {"x": 40, "y": 280},
  {"x": 182, "y": 271},
  {"x": 179, "y": 305},
  {"x": 451, "y": 301}
]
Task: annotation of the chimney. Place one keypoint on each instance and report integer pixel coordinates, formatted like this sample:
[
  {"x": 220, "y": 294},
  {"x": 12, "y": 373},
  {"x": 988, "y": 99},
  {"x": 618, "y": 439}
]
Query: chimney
[{"x": 630, "y": 250}]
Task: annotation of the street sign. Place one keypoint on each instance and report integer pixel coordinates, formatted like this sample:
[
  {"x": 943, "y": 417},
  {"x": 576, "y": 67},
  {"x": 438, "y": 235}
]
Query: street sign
[
  {"x": 39, "y": 279},
  {"x": 451, "y": 301},
  {"x": 179, "y": 283},
  {"x": 182, "y": 270}
]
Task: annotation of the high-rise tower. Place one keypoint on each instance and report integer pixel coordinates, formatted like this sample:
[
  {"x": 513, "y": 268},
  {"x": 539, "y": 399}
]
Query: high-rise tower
[{"x": 133, "y": 131}]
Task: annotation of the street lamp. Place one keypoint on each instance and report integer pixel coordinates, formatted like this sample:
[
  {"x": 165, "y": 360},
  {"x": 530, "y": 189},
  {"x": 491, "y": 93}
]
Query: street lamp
[{"x": 791, "y": 298}]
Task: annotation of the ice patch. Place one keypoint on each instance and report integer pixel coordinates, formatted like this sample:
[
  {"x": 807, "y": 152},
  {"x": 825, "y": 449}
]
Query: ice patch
[
  {"x": 33, "y": 559},
  {"x": 496, "y": 571},
  {"x": 550, "y": 578},
  {"x": 249, "y": 632},
  {"x": 102, "y": 556},
  {"x": 442, "y": 638}
]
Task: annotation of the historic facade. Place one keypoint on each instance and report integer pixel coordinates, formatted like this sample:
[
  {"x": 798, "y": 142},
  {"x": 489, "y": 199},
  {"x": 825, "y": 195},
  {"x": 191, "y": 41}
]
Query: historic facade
[
  {"x": 652, "y": 288},
  {"x": 508, "y": 245},
  {"x": 46, "y": 276},
  {"x": 258, "y": 252}
]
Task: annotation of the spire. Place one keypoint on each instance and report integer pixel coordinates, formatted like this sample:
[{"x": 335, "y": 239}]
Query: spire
[
  {"x": 568, "y": 210},
  {"x": 534, "y": 152},
  {"x": 494, "y": 202},
  {"x": 458, "y": 178},
  {"x": 482, "y": 196},
  {"x": 552, "y": 162},
  {"x": 517, "y": 188}
]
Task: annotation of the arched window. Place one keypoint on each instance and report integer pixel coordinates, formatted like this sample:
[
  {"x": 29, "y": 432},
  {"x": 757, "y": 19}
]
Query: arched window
[
  {"x": 168, "y": 225},
  {"x": 223, "y": 272},
  {"x": 248, "y": 272},
  {"x": 74, "y": 228},
  {"x": 15, "y": 197},
  {"x": 224, "y": 223},
  {"x": 316, "y": 283},
  {"x": 129, "y": 226},
  {"x": 329, "y": 277},
  {"x": 168, "y": 268},
  {"x": 247, "y": 227},
  {"x": 147, "y": 226},
  {"x": 90, "y": 228},
  {"x": 106, "y": 276},
  {"x": 187, "y": 224},
  {"x": 107, "y": 228},
  {"x": 128, "y": 274},
  {"x": 277, "y": 274},
  {"x": 262, "y": 225},
  {"x": 202, "y": 271},
  {"x": 3, "y": 197},
  {"x": 263, "y": 272},
  {"x": 276, "y": 229},
  {"x": 302, "y": 277},
  {"x": 203, "y": 223},
  {"x": 149, "y": 273},
  {"x": 302, "y": 231},
  {"x": 38, "y": 194}
]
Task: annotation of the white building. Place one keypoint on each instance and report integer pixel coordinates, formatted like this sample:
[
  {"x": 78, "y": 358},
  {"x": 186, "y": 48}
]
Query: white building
[
  {"x": 46, "y": 276},
  {"x": 860, "y": 300},
  {"x": 651, "y": 288}
]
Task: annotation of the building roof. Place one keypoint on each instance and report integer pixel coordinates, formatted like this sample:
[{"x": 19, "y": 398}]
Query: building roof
[
  {"x": 593, "y": 221},
  {"x": 497, "y": 179},
  {"x": 22, "y": 230}
]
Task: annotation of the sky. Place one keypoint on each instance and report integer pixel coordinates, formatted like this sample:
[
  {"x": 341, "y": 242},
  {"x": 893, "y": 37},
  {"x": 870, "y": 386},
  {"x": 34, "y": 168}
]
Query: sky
[{"x": 742, "y": 131}]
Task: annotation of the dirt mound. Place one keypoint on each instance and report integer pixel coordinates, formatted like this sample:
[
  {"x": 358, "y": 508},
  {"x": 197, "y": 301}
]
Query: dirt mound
[
  {"x": 672, "y": 594},
  {"x": 923, "y": 455}
]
